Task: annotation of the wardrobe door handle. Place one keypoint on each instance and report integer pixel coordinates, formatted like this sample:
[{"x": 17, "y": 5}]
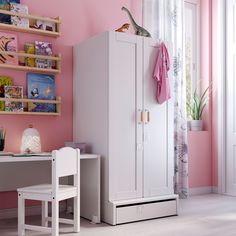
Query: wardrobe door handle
[
  {"x": 148, "y": 116},
  {"x": 142, "y": 117}
]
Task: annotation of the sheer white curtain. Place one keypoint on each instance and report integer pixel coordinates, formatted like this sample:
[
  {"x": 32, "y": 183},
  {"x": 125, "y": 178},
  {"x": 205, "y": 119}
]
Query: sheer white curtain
[{"x": 164, "y": 20}]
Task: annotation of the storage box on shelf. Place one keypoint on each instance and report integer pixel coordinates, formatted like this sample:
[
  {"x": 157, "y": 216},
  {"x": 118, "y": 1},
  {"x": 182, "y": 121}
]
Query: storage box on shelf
[
  {"x": 56, "y": 58},
  {"x": 57, "y": 102},
  {"x": 56, "y": 21}
]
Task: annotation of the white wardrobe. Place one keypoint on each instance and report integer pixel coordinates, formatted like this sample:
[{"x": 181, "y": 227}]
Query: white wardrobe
[{"x": 116, "y": 112}]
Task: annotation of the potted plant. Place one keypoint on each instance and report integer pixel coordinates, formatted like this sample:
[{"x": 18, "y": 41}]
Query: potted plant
[{"x": 196, "y": 108}]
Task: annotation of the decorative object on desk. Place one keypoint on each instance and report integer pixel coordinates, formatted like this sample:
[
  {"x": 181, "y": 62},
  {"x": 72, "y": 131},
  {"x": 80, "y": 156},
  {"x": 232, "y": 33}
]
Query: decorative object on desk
[
  {"x": 41, "y": 86},
  {"x": 195, "y": 109},
  {"x": 45, "y": 49},
  {"x": 8, "y": 42},
  {"x": 2, "y": 138},
  {"x": 123, "y": 28},
  {"x": 5, "y": 5},
  {"x": 16, "y": 20},
  {"x": 13, "y": 92},
  {"x": 83, "y": 147},
  {"x": 4, "y": 80},
  {"x": 30, "y": 142},
  {"x": 138, "y": 29},
  {"x": 29, "y": 48}
]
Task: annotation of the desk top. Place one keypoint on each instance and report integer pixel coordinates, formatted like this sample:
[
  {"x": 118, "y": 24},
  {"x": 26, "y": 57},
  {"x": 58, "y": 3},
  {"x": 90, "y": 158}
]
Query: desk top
[{"x": 41, "y": 158}]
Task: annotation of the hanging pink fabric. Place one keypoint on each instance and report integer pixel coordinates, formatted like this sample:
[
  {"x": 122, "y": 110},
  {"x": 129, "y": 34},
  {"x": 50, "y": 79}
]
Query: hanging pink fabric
[{"x": 161, "y": 74}]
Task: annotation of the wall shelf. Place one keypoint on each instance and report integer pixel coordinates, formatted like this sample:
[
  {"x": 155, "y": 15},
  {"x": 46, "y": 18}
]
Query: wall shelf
[
  {"x": 57, "y": 102},
  {"x": 57, "y": 22},
  {"x": 56, "y": 58}
]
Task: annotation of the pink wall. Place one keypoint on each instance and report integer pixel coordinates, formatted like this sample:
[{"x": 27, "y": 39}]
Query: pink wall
[
  {"x": 200, "y": 151},
  {"x": 80, "y": 20},
  {"x": 199, "y": 159}
]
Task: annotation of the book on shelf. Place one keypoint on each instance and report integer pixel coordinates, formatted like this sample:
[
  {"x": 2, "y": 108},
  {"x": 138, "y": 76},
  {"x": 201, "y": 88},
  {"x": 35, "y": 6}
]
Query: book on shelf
[
  {"x": 8, "y": 42},
  {"x": 13, "y": 92},
  {"x": 45, "y": 49},
  {"x": 30, "y": 49},
  {"x": 4, "y": 81},
  {"x": 5, "y": 5},
  {"x": 41, "y": 86},
  {"x": 44, "y": 25},
  {"x": 16, "y": 20}
]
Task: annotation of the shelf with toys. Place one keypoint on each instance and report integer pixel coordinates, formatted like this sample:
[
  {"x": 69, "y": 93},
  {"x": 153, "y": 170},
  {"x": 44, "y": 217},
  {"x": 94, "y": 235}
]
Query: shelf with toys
[
  {"x": 37, "y": 56},
  {"x": 38, "y": 99},
  {"x": 56, "y": 59},
  {"x": 57, "y": 103},
  {"x": 48, "y": 27}
]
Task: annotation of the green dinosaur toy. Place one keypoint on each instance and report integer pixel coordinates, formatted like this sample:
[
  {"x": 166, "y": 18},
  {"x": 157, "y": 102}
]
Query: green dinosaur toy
[{"x": 138, "y": 29}]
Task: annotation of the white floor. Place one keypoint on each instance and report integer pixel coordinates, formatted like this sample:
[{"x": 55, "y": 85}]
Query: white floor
[{"x": 206, "y": 215}]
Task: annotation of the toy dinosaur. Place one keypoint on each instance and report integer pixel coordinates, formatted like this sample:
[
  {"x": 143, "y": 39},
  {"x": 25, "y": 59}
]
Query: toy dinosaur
[
  {"x": 138, "y": 29},
  {"x": 123, "y": 28}
]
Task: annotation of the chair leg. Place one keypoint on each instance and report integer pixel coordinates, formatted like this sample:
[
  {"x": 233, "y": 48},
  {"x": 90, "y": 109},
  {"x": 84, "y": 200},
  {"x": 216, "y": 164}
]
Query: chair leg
[
  {"x": 55, "y": 217},
  {"x": 21, "y": 215},
  {"x": 76, "y": 214},
  {"x": 44, "y": 213}
]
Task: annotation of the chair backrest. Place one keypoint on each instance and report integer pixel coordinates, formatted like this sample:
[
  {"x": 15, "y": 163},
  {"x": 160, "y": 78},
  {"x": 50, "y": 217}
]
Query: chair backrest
[{"x": 65, "y": 162}]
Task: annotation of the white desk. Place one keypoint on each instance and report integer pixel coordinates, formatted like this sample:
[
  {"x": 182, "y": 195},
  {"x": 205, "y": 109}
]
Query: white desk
[{"x": 18, "y": 172}]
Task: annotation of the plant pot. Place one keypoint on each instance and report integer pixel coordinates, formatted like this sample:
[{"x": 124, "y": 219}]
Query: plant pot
[
  {"x": 196, "y": 125},
  {"x": 2, "y": 142}
]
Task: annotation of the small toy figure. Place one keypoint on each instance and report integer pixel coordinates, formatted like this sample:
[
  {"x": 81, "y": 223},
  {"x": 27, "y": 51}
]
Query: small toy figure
[
  {"x": 138, "y": 29},
  {"x": 123, "y": 28}
]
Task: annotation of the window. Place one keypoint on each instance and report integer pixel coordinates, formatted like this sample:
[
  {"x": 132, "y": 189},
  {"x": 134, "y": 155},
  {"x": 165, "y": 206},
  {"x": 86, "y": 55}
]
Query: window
[
  {"x": 154, "y": 22},
  {"x": 191, "y": 14}
]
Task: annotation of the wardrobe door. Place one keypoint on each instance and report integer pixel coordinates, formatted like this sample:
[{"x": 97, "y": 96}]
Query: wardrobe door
[
  {"x": 125, "y": 128},
  {"x": 158, "y": 131}
]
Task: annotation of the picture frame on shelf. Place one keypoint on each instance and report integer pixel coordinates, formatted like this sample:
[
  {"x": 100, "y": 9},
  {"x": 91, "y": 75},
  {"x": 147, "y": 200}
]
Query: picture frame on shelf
[
  {"x": 45, "y": 49},
  {"x": 4, "y": 81},
  {"x": 13, "y": 92},
  {"x": 30, "y": 49},
  {"x": 9, "y": 43},
  {"x": 5, "y": 5},
  {"x": 44, "y": 25},
  {"x": 41, "y": 87},
  {"x": 16, "y": 20}
]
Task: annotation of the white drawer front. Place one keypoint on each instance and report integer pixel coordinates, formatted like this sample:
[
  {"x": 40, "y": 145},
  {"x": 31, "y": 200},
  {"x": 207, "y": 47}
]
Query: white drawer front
[{"x": 145, "y": 211}]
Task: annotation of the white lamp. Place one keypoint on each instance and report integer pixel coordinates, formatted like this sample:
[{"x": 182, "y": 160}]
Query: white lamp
[{"x": 30, "y": 142}]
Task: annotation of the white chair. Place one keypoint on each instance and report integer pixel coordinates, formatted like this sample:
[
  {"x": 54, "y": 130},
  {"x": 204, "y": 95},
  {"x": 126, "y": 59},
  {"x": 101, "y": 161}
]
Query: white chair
[{"x": 65, "y": 162}]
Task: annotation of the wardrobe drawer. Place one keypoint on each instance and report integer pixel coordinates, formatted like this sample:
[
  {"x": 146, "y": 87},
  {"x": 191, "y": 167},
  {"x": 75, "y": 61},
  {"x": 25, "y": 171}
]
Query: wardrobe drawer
[{"x": 145, "y": 211}]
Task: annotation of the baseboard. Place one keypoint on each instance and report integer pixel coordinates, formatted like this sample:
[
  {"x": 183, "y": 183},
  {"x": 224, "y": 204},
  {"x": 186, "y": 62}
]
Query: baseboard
[
  {"x": 215, "y": 189},
  {"x": 29, "y": 211},
  {"x": 200, "y": 190}
]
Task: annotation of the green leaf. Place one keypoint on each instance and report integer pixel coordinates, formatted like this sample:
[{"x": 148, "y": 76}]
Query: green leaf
[{"x": 198, "y": 104}]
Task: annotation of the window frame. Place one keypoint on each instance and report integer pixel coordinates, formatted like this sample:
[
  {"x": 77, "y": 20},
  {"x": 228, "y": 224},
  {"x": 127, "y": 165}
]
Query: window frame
[{"x": 195, "y": 83}]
